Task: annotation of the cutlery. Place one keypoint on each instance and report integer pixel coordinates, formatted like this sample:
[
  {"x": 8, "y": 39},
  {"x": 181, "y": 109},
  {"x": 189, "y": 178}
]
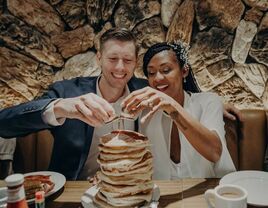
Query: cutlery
[{"x": 155, "y": 198}]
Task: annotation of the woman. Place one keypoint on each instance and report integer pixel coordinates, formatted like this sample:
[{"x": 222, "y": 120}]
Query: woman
[{"x": 187, "y": 136}]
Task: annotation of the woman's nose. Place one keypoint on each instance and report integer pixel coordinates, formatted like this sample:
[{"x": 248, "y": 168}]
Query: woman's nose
[{"x": 159, "y": 76}]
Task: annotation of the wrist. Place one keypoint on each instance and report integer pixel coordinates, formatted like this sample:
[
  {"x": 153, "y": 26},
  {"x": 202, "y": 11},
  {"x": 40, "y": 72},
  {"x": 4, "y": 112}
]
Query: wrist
[{"x": 58, "y": 109}]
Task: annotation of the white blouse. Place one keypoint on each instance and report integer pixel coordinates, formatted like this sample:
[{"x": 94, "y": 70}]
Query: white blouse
[{"x": 207, "y": 108}]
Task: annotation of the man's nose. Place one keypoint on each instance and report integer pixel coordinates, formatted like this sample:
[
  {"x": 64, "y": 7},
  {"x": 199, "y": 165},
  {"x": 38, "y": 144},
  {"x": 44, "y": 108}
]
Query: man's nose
[{"x": 120, "y": 64}]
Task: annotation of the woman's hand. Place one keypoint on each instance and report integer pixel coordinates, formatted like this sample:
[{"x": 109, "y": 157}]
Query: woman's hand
[
  {"x": 231, "y": 112},
  {"x": 205, "y": 141},
  {"x": 148, "y": 98}
]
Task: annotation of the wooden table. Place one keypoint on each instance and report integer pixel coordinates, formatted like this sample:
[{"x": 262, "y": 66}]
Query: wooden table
[{"x": 172, "y": 193}]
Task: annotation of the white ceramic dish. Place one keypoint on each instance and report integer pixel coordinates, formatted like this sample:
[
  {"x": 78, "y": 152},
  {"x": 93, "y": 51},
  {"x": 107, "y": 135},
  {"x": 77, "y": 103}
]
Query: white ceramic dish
[
  {"x": 55, "y": 177},
  {"x": 87, "y": 198},
  {"x": 255, "y": 182}
]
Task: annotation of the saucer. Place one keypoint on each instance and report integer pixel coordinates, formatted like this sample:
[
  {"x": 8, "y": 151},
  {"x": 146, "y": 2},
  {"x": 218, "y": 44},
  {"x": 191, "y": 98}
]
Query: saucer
[{"x": 255, "y": 182}]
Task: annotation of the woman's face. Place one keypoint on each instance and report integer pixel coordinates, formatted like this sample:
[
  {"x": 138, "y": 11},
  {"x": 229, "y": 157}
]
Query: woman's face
[{"x": 166, "y": 75}]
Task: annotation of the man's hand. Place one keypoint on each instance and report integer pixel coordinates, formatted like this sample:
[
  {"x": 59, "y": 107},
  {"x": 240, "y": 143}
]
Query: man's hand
[
  {"x": 231, "y": 112},
  {"x": 88, "y": 108}
]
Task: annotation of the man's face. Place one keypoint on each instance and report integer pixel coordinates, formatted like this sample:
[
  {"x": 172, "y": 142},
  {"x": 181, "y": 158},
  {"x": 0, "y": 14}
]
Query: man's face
[{"x": 117, "y": 61}]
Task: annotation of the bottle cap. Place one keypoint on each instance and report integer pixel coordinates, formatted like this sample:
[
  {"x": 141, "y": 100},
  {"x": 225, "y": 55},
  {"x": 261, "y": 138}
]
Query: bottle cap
[
  {"x": 14, "y": 180},
  {"x": 39, "y": 195}
]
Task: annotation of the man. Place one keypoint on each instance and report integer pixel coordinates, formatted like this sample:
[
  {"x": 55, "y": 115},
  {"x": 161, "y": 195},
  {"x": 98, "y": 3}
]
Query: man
[{"x": 74, "y": 110}]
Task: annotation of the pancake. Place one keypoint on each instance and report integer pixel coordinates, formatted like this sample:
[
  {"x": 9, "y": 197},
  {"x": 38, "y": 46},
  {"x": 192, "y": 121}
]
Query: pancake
[
  {"x": 125, "y": 170},
  {"x": 142, "y": 167},
  {"x": 129, "y": 199},
  {"x": 114, "y": 156},
  {"x": 102, "y": 202},
  {"x": 126, "y": 179},
  {"x": 125, "y": 164},
  {"x": 120, "y": 149},
  {"x": 122, "y": 139},
  {"x": 124, "y": 190}
]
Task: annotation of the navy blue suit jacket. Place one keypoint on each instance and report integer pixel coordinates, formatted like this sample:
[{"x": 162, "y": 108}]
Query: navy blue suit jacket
[{"x": 72, "y": 140}]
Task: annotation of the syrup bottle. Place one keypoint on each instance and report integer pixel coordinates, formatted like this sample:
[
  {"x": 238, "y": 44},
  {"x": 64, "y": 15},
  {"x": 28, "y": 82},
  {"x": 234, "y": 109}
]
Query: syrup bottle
[
  {"x": 15, "y": 191},
  {"x": 40, "y": 199}
]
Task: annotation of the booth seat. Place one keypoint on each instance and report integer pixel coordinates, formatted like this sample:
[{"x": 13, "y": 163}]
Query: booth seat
[{"x": 246, "y": 141}]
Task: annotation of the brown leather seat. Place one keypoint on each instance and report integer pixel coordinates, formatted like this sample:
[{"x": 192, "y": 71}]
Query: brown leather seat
[
  {"x": 246, "y": 142},
  {"x": 33, "y": 152}
]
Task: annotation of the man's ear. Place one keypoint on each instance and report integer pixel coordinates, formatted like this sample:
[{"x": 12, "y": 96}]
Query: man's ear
[
  {"x": 98, "y": 57},
  {"x": 185, "y": 71}
]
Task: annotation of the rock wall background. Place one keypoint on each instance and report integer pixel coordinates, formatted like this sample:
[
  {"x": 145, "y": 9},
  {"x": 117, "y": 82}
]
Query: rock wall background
[{"x": 42, "y": 41}]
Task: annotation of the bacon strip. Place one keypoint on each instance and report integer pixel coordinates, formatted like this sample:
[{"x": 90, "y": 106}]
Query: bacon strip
[{"x": 34, "y": 183}]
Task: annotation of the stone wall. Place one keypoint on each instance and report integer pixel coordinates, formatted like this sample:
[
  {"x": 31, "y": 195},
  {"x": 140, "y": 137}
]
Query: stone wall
[{"x": 42, "y": 41}]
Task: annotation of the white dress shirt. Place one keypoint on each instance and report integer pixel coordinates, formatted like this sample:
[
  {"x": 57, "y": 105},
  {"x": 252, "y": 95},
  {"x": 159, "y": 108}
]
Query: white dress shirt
[
  {"x": 91, "y": 166},
  {"x": 208, "y": 110}
]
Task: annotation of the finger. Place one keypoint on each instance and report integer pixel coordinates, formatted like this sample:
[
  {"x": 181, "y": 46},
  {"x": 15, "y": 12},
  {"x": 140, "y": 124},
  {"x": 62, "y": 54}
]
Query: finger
[
  {"x": 139, "y": 100},
  {"x": 149, "y": 115},
  {"x": 132, "y": 95},
  {"x": 229, "y": 116},
  {"x": 135, "y": 94},
  {"x": 132, "y": 113},
  {"x": 106, "y": 106},
  {"x": 153, "y": 100},
  {"x": 238, "y": 114},
  {"x": 97, "y": 110},
  {"x": 91, "y": 123},
  {"x": 100, "y": 108},
  {"x": 149, "y": 103},
  {"x": 87, "y": 116}
]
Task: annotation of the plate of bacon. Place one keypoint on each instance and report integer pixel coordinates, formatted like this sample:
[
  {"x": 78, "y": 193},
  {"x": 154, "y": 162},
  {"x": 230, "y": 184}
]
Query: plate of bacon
[{"x": 47, "y": 181}]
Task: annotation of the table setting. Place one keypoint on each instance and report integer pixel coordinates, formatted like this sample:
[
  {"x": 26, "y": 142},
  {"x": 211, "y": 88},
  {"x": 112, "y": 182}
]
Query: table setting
[{"x": 186, "y": 193}]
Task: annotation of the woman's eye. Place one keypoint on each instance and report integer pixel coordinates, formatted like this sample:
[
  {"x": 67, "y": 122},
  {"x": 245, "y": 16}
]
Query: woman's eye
[
  {"x": 167, "y": 70},
  {"x": 151, "y": 73}
]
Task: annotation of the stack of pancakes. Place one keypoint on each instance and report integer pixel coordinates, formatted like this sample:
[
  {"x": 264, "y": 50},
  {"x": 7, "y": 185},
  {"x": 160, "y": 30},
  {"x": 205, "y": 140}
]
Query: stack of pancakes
[{"x": 126, "y": 170}]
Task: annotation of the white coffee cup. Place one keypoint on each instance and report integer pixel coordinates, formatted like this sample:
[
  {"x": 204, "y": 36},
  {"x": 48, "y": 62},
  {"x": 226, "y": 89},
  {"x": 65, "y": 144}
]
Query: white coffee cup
[{"x": 227, "y": 196}]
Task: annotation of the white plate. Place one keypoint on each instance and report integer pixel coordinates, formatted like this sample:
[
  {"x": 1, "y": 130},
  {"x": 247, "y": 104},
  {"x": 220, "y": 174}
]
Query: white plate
[
  {"x": 255, "y": 182},
  {"x": 57, "y": 178},
  {"x": 87, "y": 198}
]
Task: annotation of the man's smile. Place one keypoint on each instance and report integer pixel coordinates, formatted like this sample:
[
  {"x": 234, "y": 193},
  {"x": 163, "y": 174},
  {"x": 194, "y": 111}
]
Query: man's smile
[{"x": 119, "y": 75}]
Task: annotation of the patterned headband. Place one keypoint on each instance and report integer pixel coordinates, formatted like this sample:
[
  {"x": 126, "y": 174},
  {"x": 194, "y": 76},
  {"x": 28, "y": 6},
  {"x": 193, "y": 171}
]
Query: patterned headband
[{"x": 180, "y": 49}]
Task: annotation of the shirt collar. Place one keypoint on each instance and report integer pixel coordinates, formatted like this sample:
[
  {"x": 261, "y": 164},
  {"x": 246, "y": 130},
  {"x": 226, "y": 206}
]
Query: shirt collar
[{"x": 126, "y": 92}]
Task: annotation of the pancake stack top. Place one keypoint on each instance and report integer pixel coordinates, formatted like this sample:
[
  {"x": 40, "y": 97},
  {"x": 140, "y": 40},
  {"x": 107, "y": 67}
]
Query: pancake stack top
[{"x": 126, "y": 170}]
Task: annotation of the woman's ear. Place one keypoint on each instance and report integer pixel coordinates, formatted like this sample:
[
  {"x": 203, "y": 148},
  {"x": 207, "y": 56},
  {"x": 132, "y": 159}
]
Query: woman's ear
[{"x": 185, "y": 71}]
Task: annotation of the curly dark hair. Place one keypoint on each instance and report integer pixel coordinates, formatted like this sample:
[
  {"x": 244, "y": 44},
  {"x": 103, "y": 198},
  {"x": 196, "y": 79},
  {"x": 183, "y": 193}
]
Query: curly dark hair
[{"x": 181, "y": 51}]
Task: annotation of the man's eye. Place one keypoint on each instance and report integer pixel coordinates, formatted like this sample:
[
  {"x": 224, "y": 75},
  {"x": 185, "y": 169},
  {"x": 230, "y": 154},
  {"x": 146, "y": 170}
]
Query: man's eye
[
  {"x": 112, "y": 59},
  {"x": 127, "y": 61}
]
